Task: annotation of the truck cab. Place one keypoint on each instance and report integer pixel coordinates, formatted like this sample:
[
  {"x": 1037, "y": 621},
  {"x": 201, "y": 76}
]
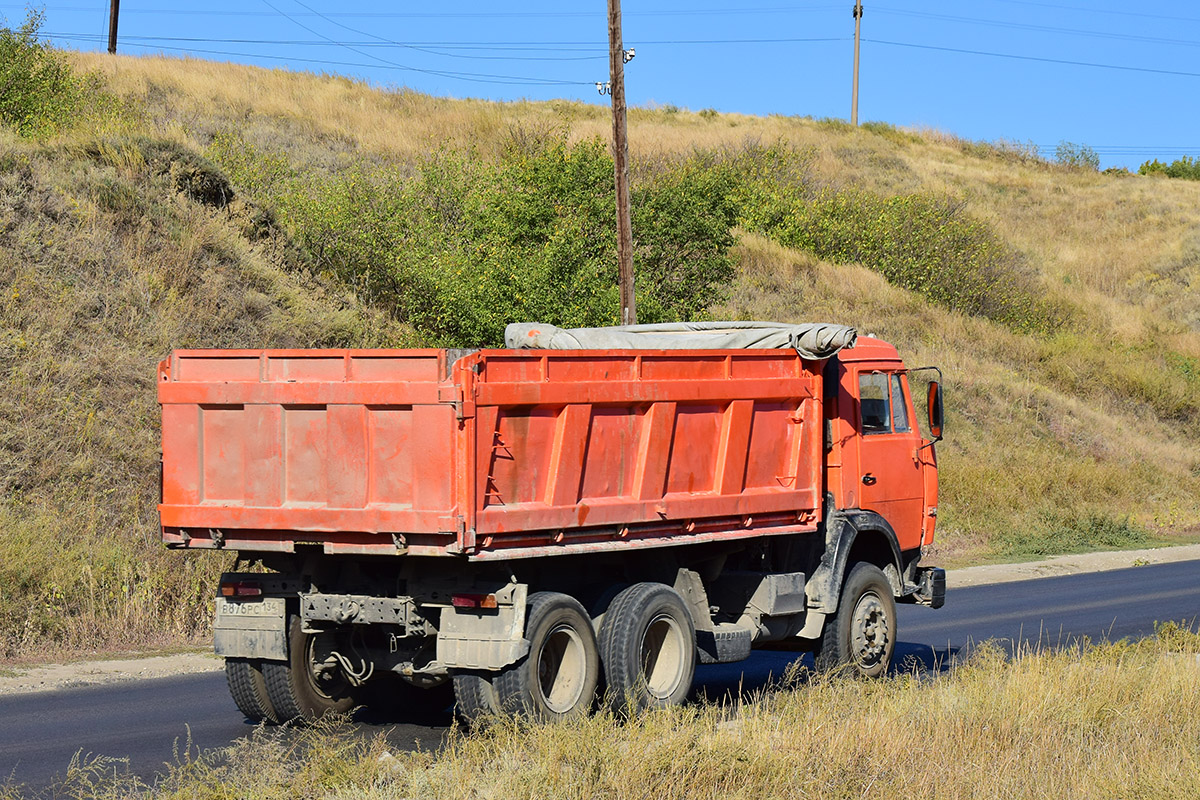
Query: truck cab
[{"x": 878, "y": 461}]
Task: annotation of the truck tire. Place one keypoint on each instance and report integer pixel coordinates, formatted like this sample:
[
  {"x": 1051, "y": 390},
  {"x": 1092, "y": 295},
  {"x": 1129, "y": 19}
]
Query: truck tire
[
  {"x": 557, "y": 680},
  {"x": 475, "y": 698},
  {"x": 648, "y": 646},
  {"x": 860, "y": 638},
  {"x": 296, "y": 691},
  {"x": 249, "y": 689}
]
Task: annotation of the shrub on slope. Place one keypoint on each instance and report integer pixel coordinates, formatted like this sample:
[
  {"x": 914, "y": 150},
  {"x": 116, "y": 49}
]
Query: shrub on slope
[{"x": 459, "y": 245}]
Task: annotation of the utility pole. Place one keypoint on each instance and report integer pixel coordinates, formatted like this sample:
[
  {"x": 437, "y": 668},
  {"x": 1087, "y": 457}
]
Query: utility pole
[
  {"x": 616, "y": 63},
  {"x": 854, "y": 91},
  {"x": 114, "y": 8}
]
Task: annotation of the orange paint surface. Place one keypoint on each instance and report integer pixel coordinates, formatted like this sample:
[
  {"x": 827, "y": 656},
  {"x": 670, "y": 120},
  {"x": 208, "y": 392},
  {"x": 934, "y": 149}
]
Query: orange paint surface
[{"x": 500, "y": 454}]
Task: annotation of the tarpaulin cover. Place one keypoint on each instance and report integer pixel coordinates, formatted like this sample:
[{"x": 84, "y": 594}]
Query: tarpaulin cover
[{"x": 812, "y": 340}]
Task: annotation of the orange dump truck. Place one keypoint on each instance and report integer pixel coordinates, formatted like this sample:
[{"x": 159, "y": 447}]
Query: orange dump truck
[{"x": 587, "y": 508}]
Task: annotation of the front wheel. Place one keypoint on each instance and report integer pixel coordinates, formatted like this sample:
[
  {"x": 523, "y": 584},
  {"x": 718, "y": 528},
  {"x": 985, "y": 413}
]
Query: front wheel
[
  {"x": 861, "y": 637},
  {"x": 309, "y": 684}
]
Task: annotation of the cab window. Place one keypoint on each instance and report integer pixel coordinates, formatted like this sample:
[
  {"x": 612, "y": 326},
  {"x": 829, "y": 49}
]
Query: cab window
[
  {"x": 899, "y": 407},
  {"x": 873, "y": 403},
  {"x": 881, "y": 403}
]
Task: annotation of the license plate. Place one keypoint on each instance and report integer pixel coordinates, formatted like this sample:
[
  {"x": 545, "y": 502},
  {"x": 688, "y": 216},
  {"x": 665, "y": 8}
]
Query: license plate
[{"x": 264, "y": 607}]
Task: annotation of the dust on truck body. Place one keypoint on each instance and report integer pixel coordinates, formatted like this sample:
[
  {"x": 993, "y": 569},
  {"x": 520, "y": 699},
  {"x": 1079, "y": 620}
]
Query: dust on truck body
[{"x": 527, "y": 525}]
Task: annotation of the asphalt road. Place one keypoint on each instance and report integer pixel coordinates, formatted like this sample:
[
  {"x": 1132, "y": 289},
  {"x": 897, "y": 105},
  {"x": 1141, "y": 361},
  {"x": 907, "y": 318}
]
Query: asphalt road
[{"x": 146, "y": 721}]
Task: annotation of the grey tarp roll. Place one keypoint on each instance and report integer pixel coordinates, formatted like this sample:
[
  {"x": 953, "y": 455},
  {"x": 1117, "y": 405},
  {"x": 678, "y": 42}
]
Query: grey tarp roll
[{"x": 812, "y": 340}]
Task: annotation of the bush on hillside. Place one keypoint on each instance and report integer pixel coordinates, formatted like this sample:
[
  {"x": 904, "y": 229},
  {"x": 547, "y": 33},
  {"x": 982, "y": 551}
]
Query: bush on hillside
[
  {"x": 925, "y": 243},
  {"x": 1077, "y": 156},
  {"x": 39, "y": 91},
  {"x": 464, "y": 246},
  {"x": 1186, "y": 167}
]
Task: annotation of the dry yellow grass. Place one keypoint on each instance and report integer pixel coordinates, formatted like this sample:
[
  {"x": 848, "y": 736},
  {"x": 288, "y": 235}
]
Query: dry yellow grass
[{"x": 1016, "y": 439}]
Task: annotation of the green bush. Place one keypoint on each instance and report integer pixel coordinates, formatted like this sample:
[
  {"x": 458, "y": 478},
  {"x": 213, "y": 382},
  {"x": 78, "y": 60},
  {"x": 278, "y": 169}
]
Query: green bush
[
  {"x": 925, "y": 243},
  {"x": 39, "y": 92},
  {"x": 890, "y": 132},
  {"x": 462, "y": 246},
  {"x": 1077, "y": 156},
  {"x": 1186, "y": 167}
]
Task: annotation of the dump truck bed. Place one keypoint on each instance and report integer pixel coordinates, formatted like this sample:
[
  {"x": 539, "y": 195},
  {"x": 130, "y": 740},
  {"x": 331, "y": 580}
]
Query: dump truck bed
[{"x": 487, "y": 454}]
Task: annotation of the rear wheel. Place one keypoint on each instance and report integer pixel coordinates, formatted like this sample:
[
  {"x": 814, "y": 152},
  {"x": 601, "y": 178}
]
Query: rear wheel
[
  {"x": 648, "y": 644},
  {"x": 249, "y": 689},
  {"x": 557, "y": 680},
  {"x": 475, "y": 697},
  {"x": 309, "y": 684},
  {"x": 861, "y": 637}
]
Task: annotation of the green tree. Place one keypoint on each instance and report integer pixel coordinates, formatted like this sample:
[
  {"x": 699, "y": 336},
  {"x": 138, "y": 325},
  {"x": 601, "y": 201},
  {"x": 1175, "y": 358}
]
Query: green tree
[
  {"x": 1186, "y": 167},
  {"x": 38, "y": 89}
]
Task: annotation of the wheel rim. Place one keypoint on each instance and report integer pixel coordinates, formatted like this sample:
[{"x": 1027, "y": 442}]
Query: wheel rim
[
  {"x": 870, "y": 634},
  {"x": 326, "y": 679},
  {"x": 562, "y": 667},
  {"x": 662, "y": 656}
]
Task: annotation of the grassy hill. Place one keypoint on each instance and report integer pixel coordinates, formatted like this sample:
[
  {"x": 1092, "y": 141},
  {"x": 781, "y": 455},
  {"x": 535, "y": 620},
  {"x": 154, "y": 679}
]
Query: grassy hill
[{"x": 184, "y": 203}]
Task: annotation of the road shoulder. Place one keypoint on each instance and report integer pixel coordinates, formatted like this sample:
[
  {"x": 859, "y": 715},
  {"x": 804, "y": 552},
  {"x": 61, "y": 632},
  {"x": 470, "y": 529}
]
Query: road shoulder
[
  {"x": 52, "y": 677},
  {"x": 1070, "y": 565}
]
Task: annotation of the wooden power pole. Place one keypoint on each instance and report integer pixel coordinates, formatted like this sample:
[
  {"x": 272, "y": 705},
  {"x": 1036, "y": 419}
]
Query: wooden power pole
[
  {"x": 114, "y": 9},
  {"x": 616, "y": 61},
  {"x": 854, "y": 91}
]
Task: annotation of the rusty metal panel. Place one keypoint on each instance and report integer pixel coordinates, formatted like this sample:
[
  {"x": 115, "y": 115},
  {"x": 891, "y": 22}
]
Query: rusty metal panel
[
  {"x": 508, "y": 453},
  {"x": 582, "y": 450},
  {"x": 261, "y": 448}
]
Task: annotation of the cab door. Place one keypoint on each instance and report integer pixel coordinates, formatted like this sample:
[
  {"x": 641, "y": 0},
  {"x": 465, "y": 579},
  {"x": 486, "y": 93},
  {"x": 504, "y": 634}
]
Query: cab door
[{"x": 891, "y": 479}]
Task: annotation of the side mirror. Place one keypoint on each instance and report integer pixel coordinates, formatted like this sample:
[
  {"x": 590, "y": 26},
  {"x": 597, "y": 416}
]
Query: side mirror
[{"x": 934, "y": 404}]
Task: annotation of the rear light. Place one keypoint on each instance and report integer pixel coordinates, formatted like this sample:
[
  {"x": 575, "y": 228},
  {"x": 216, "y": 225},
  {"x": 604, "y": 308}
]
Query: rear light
[
  {"x": 474, "y": 601},
  {"x": 241, "y": 589}
]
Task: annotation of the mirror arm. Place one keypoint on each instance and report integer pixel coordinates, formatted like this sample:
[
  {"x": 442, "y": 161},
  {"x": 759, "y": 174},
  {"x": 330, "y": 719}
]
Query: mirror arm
[{"x": 940, "y": 381}]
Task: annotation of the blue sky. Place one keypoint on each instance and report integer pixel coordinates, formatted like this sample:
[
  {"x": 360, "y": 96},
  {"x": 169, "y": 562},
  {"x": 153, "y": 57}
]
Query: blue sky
[{"x": 992, "y": 69}]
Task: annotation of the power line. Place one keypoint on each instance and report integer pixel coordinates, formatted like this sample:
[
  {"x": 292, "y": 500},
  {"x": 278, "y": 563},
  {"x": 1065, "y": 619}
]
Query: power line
[
  {"x": 1039, "y": 28},
  {"x": 1091, "y": 10},
  {"x": 475, "y": 77},
  {"x": 1036, "y": 58},
  {"x": 1131, "y": 150},
  {"x": 433, "y": 52},
  {"x": 579, "y": 46},
  {"x": 458, "y": 14}
]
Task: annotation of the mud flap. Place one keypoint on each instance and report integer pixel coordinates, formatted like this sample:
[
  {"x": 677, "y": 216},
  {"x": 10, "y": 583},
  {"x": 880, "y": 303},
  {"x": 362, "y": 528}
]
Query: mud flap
[
  {"x": 487, "y": 639},
  {"x": 251, "y": 628}
]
